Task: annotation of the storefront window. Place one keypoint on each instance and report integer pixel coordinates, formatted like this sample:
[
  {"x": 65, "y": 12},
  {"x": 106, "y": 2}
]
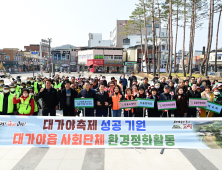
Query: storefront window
[
  {"x": 55, "y": 57},
  {"x": 59, "y": 56},
  {"x": 6, "y": 57},
  {"x": 63, "y": 57}
]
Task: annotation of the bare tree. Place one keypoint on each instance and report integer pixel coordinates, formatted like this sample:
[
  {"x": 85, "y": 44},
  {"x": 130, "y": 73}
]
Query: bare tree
[
  {"x": 184, "y": 30},
  {"x": 218, "y": 26}
]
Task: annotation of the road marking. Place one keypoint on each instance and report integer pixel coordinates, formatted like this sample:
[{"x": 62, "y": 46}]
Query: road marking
[
  {"x": 31, "y": 159},
  {"x": 199, "y": 161},
  {"x": 94, "y": 159}
]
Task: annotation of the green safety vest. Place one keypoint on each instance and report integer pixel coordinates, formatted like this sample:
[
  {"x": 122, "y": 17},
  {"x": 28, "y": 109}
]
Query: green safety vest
[
  {"x": 36, "y": 87},
  {"x": 36, "y": 106},
  {"x": 17, "y": 88},
  {"x": 10, "y": 103},
  {"x": 16, "y": 98},
  {"x": 57, "y": 86},
  {"x": 25, "y": 107},
  {"x": 43, "y": 86}
]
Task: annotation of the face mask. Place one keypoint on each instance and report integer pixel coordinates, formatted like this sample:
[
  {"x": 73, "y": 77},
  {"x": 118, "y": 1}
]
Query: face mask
[
  {"x": 25, "y": 94},
  {"x": 31, "y": 81},
  {"x": 12, "y": 90},
  {"x": 5, "y": 91},
  {"x": 31, "y": 94},
  {"x": 157, "y": 87},
  {"x": 21, "y": 87},
  {"x": 216, "y": 93},
  {"x": 19, "y": 82}
]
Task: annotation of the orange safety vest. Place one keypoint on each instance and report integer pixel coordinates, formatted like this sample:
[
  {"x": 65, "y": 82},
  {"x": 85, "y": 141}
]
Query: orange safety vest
[
  {"x": 115, "y": 100},
  {"x": 127, "y": 97}
]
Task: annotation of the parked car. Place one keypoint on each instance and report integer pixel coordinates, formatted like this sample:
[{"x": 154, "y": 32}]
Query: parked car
[{"x": 2, "y": 75}]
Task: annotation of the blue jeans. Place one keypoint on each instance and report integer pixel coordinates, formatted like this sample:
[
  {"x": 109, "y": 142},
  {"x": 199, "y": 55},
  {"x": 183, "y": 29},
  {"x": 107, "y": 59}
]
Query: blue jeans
[{"x": 116, "y": 113}]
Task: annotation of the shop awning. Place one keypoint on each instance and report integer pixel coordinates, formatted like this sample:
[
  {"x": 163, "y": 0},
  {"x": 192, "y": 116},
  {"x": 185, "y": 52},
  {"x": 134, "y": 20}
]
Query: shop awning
[
  {"x": 88, "y": 64},
  {"x": 97, "y": 64}
]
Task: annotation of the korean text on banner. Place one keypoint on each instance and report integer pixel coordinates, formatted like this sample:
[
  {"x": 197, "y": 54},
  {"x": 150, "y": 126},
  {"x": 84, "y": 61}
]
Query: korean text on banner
[
  {"x": 145, "y": 103},
  {"x": 167, "y": 105},
  {"x": 216, "y": 108},
  {"x": 128, "y": 104},
  {"x": 95, "y": 132},
  {"x": 84, "y": 103},
  {"x": 197, "y": 102}
]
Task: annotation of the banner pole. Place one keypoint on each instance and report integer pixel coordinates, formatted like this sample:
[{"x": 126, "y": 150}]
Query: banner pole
[
  {"x": 128, "y": 113},
  {"x": 84, "y": 112}
]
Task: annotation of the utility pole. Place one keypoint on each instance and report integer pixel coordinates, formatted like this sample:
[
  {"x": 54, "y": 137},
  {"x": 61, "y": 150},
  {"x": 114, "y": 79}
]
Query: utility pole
[
  {"x": 49, "y": 58},
  {"x": 153, "y": 39}
]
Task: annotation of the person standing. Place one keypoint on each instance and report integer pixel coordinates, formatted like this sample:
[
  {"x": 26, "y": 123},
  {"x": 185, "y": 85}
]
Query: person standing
[
  {"x": 145, "y": 84},
  {"x": 208, "y": 81},
  {"x": 176, "y": 80},
  {"x": 132, "y": 78},
  {"x": 193, "y": 93},
  {"x": 102, "y": 101},
  {"x": 49, "y": 99},
  {"x": 166, "y": 96},
  {"x": 67, "y": 97},
  {"x": 35, "y": 97},
  {"x": 87, "y": 93},
  {"x": 181, "y": 103},
  {"x": 155, "y": 79},
  {"x": 26, "y": 103},
  {"x": 128, "y": 96},
  {"x": 153, "y": 112},
  {"x": 139, "y": 111},
  {"x": 6, "y": 102},
  {"x": 114, "y": 100},
  {"x": 125, "y": 83},
  {"x": 210, "y": 97}
]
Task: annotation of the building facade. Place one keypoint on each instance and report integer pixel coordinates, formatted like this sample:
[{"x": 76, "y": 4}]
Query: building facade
[
  {"x": 212, "y": 60},
  {"x": 112, "y": 59},
  {"x": 12, "y": 59},
  {"x": 95, "y": 39}
]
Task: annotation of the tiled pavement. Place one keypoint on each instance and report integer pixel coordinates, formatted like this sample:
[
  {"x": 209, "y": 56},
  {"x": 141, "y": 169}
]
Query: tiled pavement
[{"x": 23, "y": 158}]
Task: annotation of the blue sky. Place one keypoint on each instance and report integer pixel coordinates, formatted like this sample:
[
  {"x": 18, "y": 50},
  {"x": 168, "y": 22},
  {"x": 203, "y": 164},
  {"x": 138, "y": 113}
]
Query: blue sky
[{"x": 25, "y": 22}]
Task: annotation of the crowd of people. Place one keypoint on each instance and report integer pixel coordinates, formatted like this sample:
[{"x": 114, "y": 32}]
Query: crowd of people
[{"x": 27, "y": 98}]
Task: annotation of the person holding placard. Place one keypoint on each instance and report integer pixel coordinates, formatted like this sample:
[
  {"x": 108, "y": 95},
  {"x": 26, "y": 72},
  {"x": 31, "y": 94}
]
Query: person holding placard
[
  {"x": 87, "y": 93},
  {"x": 210, "y": 97},
  {"x": 128, "y": 96},
  {"x": 139, "y": 111},
  {"x": 153, "y": 112},
  {"x": 193, "y": 93},
  {"x": 114, "y": 100},
  {"x": 219, "y": 101},
  {"x": 166, "y": 96},
  {"x": 102, "y": 101},
  {"x": 182, "y": 104}
]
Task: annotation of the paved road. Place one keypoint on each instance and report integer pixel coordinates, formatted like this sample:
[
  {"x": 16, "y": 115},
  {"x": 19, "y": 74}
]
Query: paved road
[{"x": 31, "y": 158}]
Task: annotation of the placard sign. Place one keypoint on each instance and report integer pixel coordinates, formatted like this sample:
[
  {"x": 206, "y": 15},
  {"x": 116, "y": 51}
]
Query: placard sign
[
  {"x": 167, "y": 105},
  {"x": 128, "y": 104},
  {"x": 197, "y": 102},
  {"x": 84, "y": 103},
  {"x": 145, "y": 103}
]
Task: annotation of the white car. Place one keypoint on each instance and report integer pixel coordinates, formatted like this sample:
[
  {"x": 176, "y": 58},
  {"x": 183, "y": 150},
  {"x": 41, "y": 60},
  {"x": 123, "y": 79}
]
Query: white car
[{"x": 2, "y": 75}]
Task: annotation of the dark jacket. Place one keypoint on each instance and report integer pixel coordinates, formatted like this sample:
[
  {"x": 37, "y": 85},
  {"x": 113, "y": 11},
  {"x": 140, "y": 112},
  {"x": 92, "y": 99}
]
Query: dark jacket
[
  {"x": 139, "y": 110},
  {"x": 164, "y": 96},
  {"x": 182, "y": 104},
  {"x": 175, "y": 80},
  {"x": 172, "y": 91},
  {"x": 192, "y": 94},
  {"x": 87, "y": 94},
  {"x": 144, "y": 86},
  {"x": 155, "y": 80},
  {"x": 153, "y": 112},
  {"x": 62, "y": 95},
  {"x": 162, "y": 86},
  {"x": 49, "y": 99},
  {"x": 102, "y": 98},
  {"x": 131, "y": 80}
]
